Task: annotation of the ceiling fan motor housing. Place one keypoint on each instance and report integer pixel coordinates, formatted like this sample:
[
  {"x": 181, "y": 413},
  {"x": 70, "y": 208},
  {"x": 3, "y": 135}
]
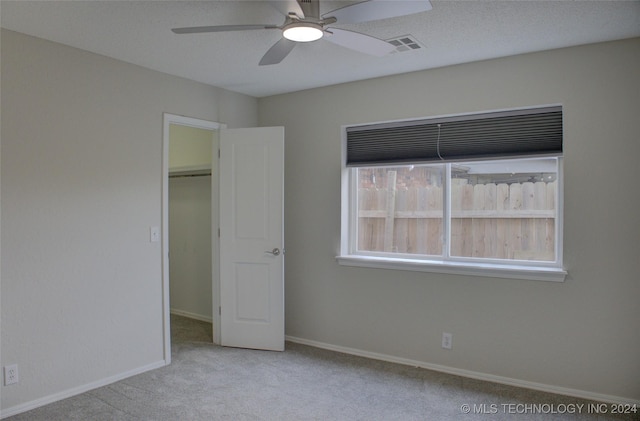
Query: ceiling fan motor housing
[{"x": 310, "y": 8}]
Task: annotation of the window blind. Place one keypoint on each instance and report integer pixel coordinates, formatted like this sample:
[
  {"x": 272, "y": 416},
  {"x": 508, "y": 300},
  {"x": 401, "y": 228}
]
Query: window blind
[{"x": 504, "y": 134}]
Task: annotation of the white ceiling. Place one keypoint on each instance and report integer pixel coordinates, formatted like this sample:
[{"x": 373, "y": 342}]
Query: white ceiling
[{"x": 452, "y": 32}]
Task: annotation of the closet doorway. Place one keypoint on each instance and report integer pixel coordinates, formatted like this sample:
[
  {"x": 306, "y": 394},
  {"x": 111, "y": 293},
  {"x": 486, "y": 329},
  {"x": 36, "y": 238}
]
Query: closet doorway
[
  {"x": 191, "y": 192},
  {"x": 253, "y": 214}
]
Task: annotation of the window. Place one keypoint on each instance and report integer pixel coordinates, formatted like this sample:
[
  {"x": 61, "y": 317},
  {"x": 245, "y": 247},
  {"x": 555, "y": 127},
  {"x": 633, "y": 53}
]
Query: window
[{"x": 414, "y": 198}]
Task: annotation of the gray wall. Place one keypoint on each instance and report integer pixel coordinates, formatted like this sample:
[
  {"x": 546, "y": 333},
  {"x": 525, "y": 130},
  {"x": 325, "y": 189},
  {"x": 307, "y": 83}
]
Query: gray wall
[
  {"x": 190, "y": 264},
  {"x": 581, "y": 335},
  {"x": 81, "y": 183}
]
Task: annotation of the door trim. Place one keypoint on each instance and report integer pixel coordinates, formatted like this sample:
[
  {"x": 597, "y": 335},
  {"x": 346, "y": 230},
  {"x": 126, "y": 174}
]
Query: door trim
[{"x": 169, "y": 119}]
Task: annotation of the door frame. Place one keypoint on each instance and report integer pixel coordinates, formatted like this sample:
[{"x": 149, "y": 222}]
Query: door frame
[{"x": 169, "y": 119}]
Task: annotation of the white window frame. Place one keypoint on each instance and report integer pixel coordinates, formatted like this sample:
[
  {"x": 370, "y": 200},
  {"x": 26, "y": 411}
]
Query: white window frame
[{"x": 497, "y": 268}]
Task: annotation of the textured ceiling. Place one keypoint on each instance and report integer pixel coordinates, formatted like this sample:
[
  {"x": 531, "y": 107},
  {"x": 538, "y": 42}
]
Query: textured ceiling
[{"x": 452, "y": 32}]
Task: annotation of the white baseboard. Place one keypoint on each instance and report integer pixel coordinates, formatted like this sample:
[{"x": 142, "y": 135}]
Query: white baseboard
[
  {"x": 14, "y": 410},
  {"x": 468, "y": 373},
  {"x": 191, "y": 315}
]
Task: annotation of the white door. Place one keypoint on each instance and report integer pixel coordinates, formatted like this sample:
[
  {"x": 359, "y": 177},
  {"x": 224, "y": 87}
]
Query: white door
[{"x": 251, "y": 238}]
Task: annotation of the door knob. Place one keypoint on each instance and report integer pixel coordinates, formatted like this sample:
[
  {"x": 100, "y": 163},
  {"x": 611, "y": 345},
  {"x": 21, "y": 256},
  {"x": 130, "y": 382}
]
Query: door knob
[{"x": 275, "y": 251}]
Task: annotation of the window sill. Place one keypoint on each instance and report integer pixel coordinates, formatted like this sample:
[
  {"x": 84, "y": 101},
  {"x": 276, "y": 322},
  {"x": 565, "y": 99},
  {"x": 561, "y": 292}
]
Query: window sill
[{"x": 535, "y": 273}]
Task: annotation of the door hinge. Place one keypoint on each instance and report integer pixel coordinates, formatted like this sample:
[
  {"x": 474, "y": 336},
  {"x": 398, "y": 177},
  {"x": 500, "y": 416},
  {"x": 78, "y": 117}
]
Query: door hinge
[
  {"x": 220, "y": 310},
  {"x": 218, "y": 232},
  {"x": 218, "y": 153}
]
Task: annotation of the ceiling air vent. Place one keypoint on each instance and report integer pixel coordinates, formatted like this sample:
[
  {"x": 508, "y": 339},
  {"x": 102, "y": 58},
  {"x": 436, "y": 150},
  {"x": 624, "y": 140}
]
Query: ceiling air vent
[{"x": 404, "y": 43}]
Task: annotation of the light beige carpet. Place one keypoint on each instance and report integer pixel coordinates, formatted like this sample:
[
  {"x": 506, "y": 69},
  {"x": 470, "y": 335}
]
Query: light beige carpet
[{"x": 208, "y": 382}]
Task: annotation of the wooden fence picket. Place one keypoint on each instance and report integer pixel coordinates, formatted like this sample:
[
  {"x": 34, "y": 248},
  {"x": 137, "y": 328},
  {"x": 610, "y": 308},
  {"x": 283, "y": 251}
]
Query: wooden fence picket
[
  {"x": 502, "y": 221},
  {"x": 389, "y": 221}
]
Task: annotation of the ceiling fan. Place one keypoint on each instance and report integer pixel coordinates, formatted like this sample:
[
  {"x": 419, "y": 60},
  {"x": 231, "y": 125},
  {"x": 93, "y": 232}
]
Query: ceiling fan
[{"x": 303, "y": 23}]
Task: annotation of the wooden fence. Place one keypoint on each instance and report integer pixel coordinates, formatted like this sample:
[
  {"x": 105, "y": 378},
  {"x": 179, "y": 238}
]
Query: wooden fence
[{"x": 504, "y": 221}]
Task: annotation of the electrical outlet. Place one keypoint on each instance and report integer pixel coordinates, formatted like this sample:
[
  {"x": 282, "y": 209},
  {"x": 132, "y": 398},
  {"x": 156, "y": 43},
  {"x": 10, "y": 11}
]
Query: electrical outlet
[
  {"x": 11, "y": 374},
  {"x": 447, "y": 340}
]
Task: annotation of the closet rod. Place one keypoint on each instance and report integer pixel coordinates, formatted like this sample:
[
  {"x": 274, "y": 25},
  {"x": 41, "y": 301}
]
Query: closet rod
[{"x": 189, "y": 175}]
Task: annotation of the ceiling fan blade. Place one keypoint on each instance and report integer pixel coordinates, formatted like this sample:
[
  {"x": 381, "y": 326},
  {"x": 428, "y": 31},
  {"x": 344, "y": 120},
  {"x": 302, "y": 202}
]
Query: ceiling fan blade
[
  {"x": 288, "y": 6},
  {"x": 221, "y": 28},
  {"x": 378, "y": 9},
  {"x": 278, "y": 52},
  {"x": 358, "y": 42}
]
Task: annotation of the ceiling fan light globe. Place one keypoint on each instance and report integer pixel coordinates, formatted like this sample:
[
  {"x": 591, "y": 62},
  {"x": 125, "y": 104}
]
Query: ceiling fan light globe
[{"x": 303, "y": 32}]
